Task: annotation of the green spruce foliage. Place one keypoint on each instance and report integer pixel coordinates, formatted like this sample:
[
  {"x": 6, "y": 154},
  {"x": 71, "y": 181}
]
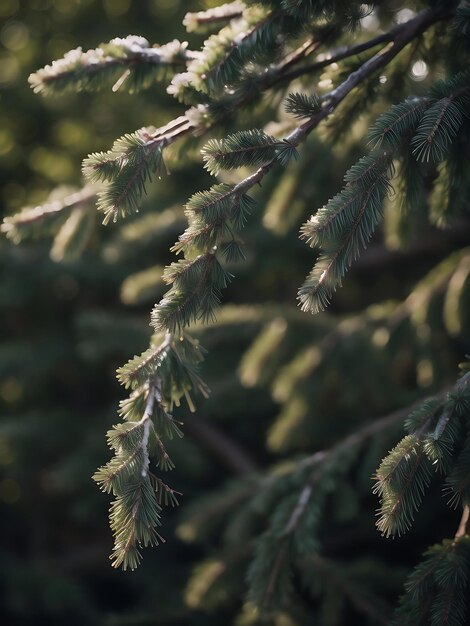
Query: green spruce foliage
[{"x": 308, "y": 72}]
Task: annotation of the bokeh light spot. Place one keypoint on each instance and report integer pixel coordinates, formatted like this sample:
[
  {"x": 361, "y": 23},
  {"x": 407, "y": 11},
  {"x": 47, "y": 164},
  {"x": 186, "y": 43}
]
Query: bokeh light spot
[
  {"x": 115, "y": 8},
  {"x": 9, "y": 7},
  {"x": 9, "y": 69},
  {"x": 11, "y": 390},
  {"x": 419, "y": 70},
  {"x": 10, "y": 491},
  {"x": 14, "y": 35}
]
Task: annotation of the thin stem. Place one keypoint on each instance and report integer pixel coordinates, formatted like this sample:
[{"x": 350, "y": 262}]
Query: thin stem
[
  {"x": 146, "y": 421},
  {"x": 40, "y": 212},
  {"x": 213, "y": 16},
  {"x": 338, "y": 55},
  {"x": 462, "y": 529}
]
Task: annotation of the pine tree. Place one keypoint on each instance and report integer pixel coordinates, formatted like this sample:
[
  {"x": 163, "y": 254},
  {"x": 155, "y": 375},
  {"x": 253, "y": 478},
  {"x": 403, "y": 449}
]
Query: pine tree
[{"x": 311, "y": 74}]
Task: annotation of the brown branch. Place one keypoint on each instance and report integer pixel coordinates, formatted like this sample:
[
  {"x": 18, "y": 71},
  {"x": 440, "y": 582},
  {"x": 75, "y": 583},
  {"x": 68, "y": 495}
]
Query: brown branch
[
  {"x": 215, "y": 15},
  {"x": 338, "y": 55},
  {"x": 48, "y": 209},
  {"x": 462, "y": 529}
]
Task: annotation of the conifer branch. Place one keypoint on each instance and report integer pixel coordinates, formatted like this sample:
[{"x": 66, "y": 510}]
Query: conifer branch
[
  {"x": 140, "y": 369},
  {"x": 280, "y": 538},
  {"x": 160, "y": 377},
  {"x": 129, "y": 61},
  {"x": 195, "y": 292},
  {"x": 344, "y": 52},
  {"x": 204, "y": 21},
  {"x": 125, "y": 187},
  {"x": 436, "y": 589},
  {"x": 436, "y": 131},
  {"x": 225, "y": 53},
  {"x": 45, "y": 219},
  {"x": 402, "y": 37},
  {"x": 404, "y": 474},
  {"x": 135, "y": 513},
  {"x": 128, "y": 183},
  {"x": 136, "y": 157}
]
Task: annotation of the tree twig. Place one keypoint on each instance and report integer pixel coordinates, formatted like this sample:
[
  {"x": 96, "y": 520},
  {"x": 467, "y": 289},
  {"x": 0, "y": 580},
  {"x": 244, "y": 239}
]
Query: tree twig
[
  {"x": 462, "y": 529},
  {"x": 344, "y": 52}
]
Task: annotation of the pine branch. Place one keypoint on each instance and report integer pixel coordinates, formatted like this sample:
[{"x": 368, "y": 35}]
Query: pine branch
[
  {"x": 225, "y": 53},
  {"x": 244, "y": 148},
  {"x": 438, "y": 127},
  {"x": 173, "y": 358},
  {"x": 135, "y": 513},
  {"x": 402, "y": 37},
  {"x": 436, "y": 590},
  {"x": 47, "y": 218},
  {"x": 126, "y": 183},
  {"x": 402, "y": 480},
  {"x": 271, "y": 569},
  {"x": 204, "y": 21},
  {"x": 160, "y": 377},
  {"x": 129, "y": 61},
  {"x": 142, "y": 368},
  {"x": 195, "y": 292},
  {"x": 346, "y": 223},
  {"x": 404, "y": 474},
  {"x": 124, "y": 193},
  {"x": 343, "y": 227},
  {"x": 127, "y": 167},
  {"x": 302, "y": 105},
  {"x": 391, "y": 127},
  {"x": 345, "y": 52},
  {"x": 130, "y": 164}
]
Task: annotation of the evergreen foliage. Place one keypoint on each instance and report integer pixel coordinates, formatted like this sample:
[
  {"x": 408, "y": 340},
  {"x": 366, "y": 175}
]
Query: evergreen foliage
[
  {"x": 326, "y": 377},
  {"x": 436, "y": 590},
  {"x": 130, "y": 62}
]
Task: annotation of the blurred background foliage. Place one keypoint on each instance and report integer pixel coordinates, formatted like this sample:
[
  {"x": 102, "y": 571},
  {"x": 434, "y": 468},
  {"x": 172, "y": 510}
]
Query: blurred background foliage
[{"x": 284, "y": 384}]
